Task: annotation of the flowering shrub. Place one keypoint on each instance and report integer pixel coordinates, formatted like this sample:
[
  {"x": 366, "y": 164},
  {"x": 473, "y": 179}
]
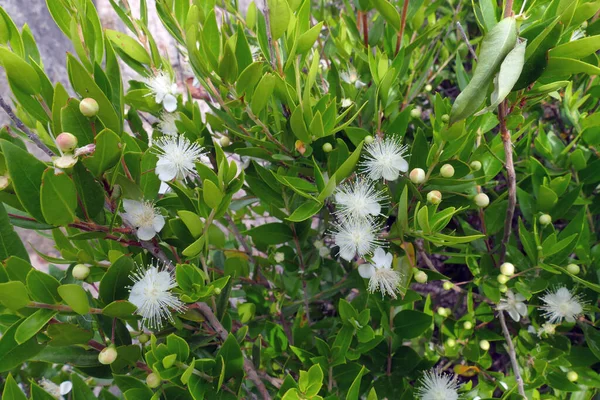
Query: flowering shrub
[{"x": 325, "y": 200}]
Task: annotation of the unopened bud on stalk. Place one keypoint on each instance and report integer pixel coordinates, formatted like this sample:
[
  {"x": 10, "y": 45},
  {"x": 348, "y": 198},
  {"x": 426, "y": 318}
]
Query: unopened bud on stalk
[
  {"x": 80, "y": 271},
  {"x": 108, "y": 355},
  {"x": 415, "y": 112},
  {"x": 573, "y": 269},
  {"x": 545, "y": 219},
  {"x": 225, "y": 141},
  {"x": 468, "y": 325},
  {"x": 445, "y": 118},
  {"x": 484, "y": 345},
  {"x": 66, "y": 142},
  {"x": 89, "y": 107},
  {"x": 327, "y": 147},
  {"x": 502, "y": 279},
  {"x": 417, "y": 176},
  {"x": 507, "y": 269},
  {"x": 481, "y": 200},
  {"x": 420, "y": 277},
  {"x": 434, "y": 197},
  {"x": 475, "y": 165},
  {"x": 153, "y": 381},
  {"x": 369, "y": 139},
  {"x": 143, "y": 338},
  {"x": 447, "y": 171}
]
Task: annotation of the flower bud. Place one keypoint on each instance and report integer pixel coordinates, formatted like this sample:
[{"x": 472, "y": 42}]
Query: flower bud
[
  {"x": 447, "y": 285},
  {"x": 450, "y": 342},
  {"x": 434, "y": 197},
  {"x": 420, "y": 277},
  {"x": 225, "y": 141},
  {"x": 444, "y": 312},
  {"x": 89, "y": 107},
  {"x": 108, "y": 355},
  {"x": 507, "y": 269},
  {"x": 327, "y": 147},
  {"x": 445, "y": 118},
  {"x": 153, "y": 381},
  {"x": 300, "y": 146},
  {"x": 217, "y": 291},
  {"x": 143, "y": 338},
  {"x": 80, "y": 272},
  {"x": 502, "y": 279},
  {"x": 584, "y": 25},
  {"x": 369, "y": 139},
  {"x": 66, "y": 142},
  {"x": 4, "y": 182},
  {"x": 65, "y": 162},
  {"x": 503, "y": 288},
  {"x": 572, "y": 376},
  {"x": 447, "y": 171},
  {"x": 475, "y": 165},
  {"x": 415, "y": 112},
  {"x": 545, "y": 219},
  {"x": 484, "y": 345},
  {"x": 279, "y": 257},
  {"x": 481, "y": 200},
  {"x": 417, "y": 176},
  {"x": 468, "y": 325},
  {"x": 428, "y": 88},
  {"x": 573, "y": 269}
]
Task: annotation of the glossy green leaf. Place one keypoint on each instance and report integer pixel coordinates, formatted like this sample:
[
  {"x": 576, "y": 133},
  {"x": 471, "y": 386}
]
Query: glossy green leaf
[
  {"x": 128, "y": 45},
  {"x": 279, "y": 16},
  {"x": 58, "y": 198},
  {"x": 19, "y": 72},
  {"x": 75, "y": 297},
  {"x": 33, "y": 324},
  {"x": 10, "y": 242},
  {"x": 114, "y": 284},
  {"x": 13, "y": 354},
  {"x": 107, "y": 153},
  {"x": 13, "y": 295},
  {"x": 389, "y": 12}
]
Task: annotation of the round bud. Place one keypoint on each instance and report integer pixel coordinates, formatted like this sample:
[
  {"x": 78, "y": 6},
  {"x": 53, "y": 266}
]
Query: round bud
[
  {"x": 217, "y": 291},
  {"x": 545, "y": 219},
  {"x": 445, "y": 118},
  {"x": 420, "y": 277},
  {"x": 507, "y": 269},
  {"x": 66, "y": 142},
  {"x": 450, "y": 342},
  {"x": 584, "y": 24},
  {"x": 443, "y": 311},
  {"x": 89, "y": 107},
  {"x": 484, "y": 345},
  {"x": 417, "y": 176},
  {"x": 572, "y": 376},
  {"x": 327, "y": 147},
  {"x": 447, "y": 171},
  {"x": 448, "y": 285},
  {"x": 108, "y": 355},
  {"x": 143, "y": 338},
  {"x": 4, "y": 182},
  {"x": 468, "y": 325},
  {"x": 573, "y": 269},
  {"x": 369, "y": 139},
  {"x": 434, "y": 197},
  {"x": 225, "y": 141},
  {"x": 481, "y": 200},
  {"x": 65, "y": 162},
  {"x": 415, "y": 112},
  {"x": 428, "y": 88},
  {"x": 502, "y": 279},
  {"x": 80, "y": 271},
  {"x": 539, "y": 248},
  {"x": 502, "y": 288},
  {"x": 153, "y": 381},
  {"x": 475, "y": 165}
]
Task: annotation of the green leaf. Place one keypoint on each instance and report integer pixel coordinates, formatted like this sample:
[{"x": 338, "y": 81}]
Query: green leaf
[
  {"x": 114, "y": 284},
  {"x": 348, "y": 166},
  {"x": 119, "y": 309},
  {"x": 178, "y": 346},
  {"x": 279, "y": 16},
  {"x": 13, "y": 354},
  {"x": 410, "y": 324},
  {"x": 577, "y": 49},
  {"x": 12, "y": 391},
  {"x": 546, "y": 198},
  {"x": 37, "y": 393},
  {"x": 68, "y": 334},
  {"x": 305, "y": 211},
  {"x": 10, "y": 242},
  {"x": 19, "y": 72},
  {"x": 26, "y": 174},
  {"x": 128, "y": 45},
  {"x": 73, "y": 121},
  {"x": 249, "y": 78},
  {"x": 389, "y": 12},
  {"x": 33, "y": 324},
  {"x": 75, "y": 297},
  {"x": 272, "y": 233},
  {"x": 232, "y": 356},
  {"x": 264, "y": 90},
  {"x": 211, "y": 194},
  {"x": 13, "y": 295},
  {"x": 81, "y": 391},
  {"x": 58, "y": 198},
  {"x": 308, "y": 38},
  {"x": 107, "y": 153},
  {"x": 564, "y": 67},
  {"x": 89, "y": 191},
  {"x": 354, "y": 390},
  {"x": 43, "y": 287}
]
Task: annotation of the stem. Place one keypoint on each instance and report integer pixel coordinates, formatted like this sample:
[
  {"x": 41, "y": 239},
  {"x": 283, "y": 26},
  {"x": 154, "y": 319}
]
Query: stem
[
  {"x": 267, "y": 14},
  {"x": 510, "y": 177},
  {"x": 59, "y": 307},
  {"x": 513, "y": 355},
  {"x": 508, "y": 8},
  {"x": 466, "y": 39},
  {"x": 32, "y": 136},
  {"x": 365, "y": 25},
  {"x": 402, "y": 25},
  {"x": 223, "y": 334}
]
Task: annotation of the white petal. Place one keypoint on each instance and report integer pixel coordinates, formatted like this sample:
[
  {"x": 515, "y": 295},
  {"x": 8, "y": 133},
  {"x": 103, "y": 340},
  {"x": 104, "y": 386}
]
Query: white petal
[
  {"x": 164, "y": 188},
  {"x": 366, "y": 270},
  {"x": 65, "y": 387},
  {"x": 401, "y": 164},
  {"x": 359, "y": 84},
  {"x": 132, "y": 206},
  {"x": 170, "y": 103},
  {"x": 158, "y": 223},
  {"x": 374, "y": 208},
  {"x": 146, "y": 233},
  {"x": 514, "y": 314},
  {"x": 379, "y": 257},
  {"x": 390, "y": 174},
  {"x": 347, "y": 253},
  {"x": 521, "y": 309},
  {"x": 165, "y": 170}
]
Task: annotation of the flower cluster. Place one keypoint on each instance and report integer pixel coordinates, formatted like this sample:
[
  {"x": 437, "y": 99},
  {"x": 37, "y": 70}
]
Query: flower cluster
[
  {"x": 436, "y": 385},
  {"x": 358, "y": 208}
]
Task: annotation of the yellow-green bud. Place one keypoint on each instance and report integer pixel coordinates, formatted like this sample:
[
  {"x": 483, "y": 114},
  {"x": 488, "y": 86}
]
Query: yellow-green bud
[
  {"x": 573, "y": 269},
  {"x": 484, "y": 345},
  {"x": 428, "y": 88},
  {"x": 468, "y": 325},
  {"x": 503, "y": 288},
  {"x": 143, "y": 338},
  {"x": 66, "y": 142},
  {"x": 217, "y": 291},
  {"x": 447, "y": 171},
  {"x": 420, "y": 277},
  {"x": 89, "y": 107},
  {"x": 434, "y": 197},
  {"x": 444, "y": 312},
  {"x": 225, "y": 141},
  {"x": 445, "y": 118},
  {"x": 450, "y": 342},
  {"x": 369, "y": 139},
  {"x": 80, "y": 271},
  {"x": 572, "y": 376},
  {"x": 545, "y": 219},
  {"x": 153, "y": 381},
  {"x": 417, "y": 176},
  {"x": 481, "y": 200},
  {"x": 327, "y": 147},
  {"x": 448, "y": 285},
  {"x": 507, "y": 269},
  {"x": 502, "y": 279},
  {"x": 475, "y": 165},
  {"x": 108, "y": 355},
  {"x": 415, "y": 112}
]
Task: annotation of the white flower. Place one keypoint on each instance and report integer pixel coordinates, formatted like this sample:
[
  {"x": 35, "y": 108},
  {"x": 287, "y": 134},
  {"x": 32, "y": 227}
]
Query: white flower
[
  {"x": 166, "y": 124},
  {"x": 176, "y": 158},
  {"x": 55, "y": 390},
  {"x": 279, "y": 257},
  {"x": 561, "y": 304},
  {"x": 143, "y": 216},
  {"x": 380, "y": 273},
  {"x": 151, "y": 294},
  {"x": 356, "y": 236},
  {"x": 358, "y": 199},
  {"x": 513, "y": 305},
  {"x": 577, "y": 34},
  {"x": 164, "y": 90},
  {"x": 547, "y": 329},
  {"x": 346, "y": 103},
  {"x": 385, "y": 159},
  {"x": 351, "y": 77},
  {"x": 436, "y": 385}
]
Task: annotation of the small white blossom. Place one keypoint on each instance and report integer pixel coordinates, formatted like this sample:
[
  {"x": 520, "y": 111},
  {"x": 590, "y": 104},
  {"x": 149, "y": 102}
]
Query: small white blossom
[
  {"x": 55, "y": 390},
  {"x": 176, "y": 158},
  {"x": 561, "y": 304},
  {"x": 143, "y": 216},
  {"x": 346, "y": 103},
  {"x": 356, "y": 236},
  {"x": 547, "y": 329},
  {"x": 351, "y": 77},
  {"x": 436, "y": 385},
  {"x": 164, "y": 90},
  {"x": 151, "y": 294},
  {"x": 279, "y": 257},
  {"x": 380, "y": 273},
  {"x": 358, "y": 199},
  {"x": 385, "y": 159},
  {"x": 513, "y": 305},
  {"x": 577, "y": 34},
  {"x": 166, "y": 124}
]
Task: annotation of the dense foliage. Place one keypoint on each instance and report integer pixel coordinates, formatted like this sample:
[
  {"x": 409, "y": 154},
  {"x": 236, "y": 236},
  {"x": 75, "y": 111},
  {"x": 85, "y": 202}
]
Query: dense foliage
[{"x": 340, "y": 199}]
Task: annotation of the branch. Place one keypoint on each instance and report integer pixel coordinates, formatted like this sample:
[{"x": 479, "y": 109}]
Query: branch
[
  {"x": 223, "y": 334},
  {"x": 510, "y": 177},
  {"x": 59, "y": 307},
  {"x": 267, "y": 14},
  {"x": 32, "y": 136},
  {"x": 512, "y": 354},
  {"x": 466, "y": 39},
  {"x": 402, "y": 26}
]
